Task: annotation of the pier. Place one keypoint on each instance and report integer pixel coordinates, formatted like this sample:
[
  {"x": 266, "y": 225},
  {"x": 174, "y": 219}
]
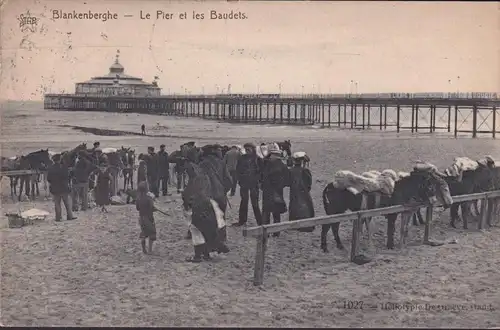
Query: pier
[{"x": 465, "y": 113}]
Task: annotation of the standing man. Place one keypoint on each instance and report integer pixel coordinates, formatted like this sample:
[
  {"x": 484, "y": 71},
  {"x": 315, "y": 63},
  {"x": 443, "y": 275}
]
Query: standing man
[
  {"x": 248, "y": 175},
  {"x": 231, "y": 160},
  {"x": 58, "y": 178},
  {"x": 152, "y": 172},
  {"x": 81, "y": 173},
  {"x": 275, "y": 177},
  {"x": 143, "y": 129},
  {"x": 163, "y": 168}
]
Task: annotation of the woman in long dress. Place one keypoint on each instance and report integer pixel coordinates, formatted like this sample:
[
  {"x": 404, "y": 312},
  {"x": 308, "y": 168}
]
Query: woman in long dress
[
  {"x": 103, "y": 189},
  {"x": 301, "y": 204}
]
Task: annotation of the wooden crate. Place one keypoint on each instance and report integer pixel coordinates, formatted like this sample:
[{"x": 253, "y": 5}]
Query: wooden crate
[{"x": 15, "y": 220}]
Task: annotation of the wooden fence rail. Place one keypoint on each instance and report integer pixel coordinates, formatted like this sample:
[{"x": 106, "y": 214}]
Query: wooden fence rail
[
  {"x": 20, "y": 172},
  {"x": 261, "y": 232}
]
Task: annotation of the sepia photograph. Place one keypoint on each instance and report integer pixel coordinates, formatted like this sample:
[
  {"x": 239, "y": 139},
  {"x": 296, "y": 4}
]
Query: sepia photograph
[{"x": 235, "y": 163}]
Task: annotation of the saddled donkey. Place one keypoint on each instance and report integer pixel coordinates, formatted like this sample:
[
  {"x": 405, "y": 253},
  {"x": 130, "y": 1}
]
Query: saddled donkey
[
  {"x": 11, "y": 164},
  {"x": 37, "y": 161},
  {"x": 422, "y": 185},
  {"x": 466, "y": 176},
  {"x": 128, "y": 159}
]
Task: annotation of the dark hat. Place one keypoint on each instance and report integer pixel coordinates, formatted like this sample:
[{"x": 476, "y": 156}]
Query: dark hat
[
  {"x": 191, "y": 144},
  {"x": 209, "y": 148},
  {"x": 162, "y": 146},
  {"x": 249, "y": 145},
  {"x": 96, "y": 143},
  {"x": 151, "y": 148}
]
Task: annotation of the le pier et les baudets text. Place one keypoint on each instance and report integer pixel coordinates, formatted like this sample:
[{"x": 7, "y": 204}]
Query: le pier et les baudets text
[{"x": 146, "y": 15}]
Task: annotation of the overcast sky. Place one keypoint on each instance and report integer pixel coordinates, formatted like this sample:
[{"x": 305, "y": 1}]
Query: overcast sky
[{"x": 304, "y": 46}]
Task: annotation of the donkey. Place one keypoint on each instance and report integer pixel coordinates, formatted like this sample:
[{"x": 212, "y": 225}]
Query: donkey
[
  {"x": 466, "y": 176},
  {"x": 419, "y": 187},
  {"x": 11, "y": 164},
  {"x": 39, "y": 161},
  {"x": 127, "y": 156}
]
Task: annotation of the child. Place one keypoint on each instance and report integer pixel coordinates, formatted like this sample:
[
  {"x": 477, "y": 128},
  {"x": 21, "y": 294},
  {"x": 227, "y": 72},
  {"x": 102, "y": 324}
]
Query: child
[{"x": 144, "y": 204}]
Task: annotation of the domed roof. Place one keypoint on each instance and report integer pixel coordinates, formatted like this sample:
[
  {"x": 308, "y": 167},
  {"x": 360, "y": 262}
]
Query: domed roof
[{"x": 116, "y": 67}]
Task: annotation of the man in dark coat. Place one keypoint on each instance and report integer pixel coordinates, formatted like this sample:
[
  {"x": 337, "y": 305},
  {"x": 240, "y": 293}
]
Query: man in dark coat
[
  {"x": 58, "y": 178},
  {"x": 163, "y": 169},
  {"x": 153, "y": 171},
  {"x": 301, "y": 204},
  {"x": 275, "y": 177},
  {"x": 248, "y": 175},
  {"x": 80, "y": 190},
  {"x": 231, "y": 160}
]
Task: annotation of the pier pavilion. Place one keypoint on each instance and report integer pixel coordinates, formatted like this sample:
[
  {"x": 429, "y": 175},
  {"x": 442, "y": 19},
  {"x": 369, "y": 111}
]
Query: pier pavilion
[{"x": 117, "y": 83}]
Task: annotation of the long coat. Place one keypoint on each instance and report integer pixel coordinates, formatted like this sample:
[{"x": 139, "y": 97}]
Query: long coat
[
  {"x": 219, "y": 177},
  {"x": 103, "y": 189},
  {"x": 275, "y": 177},
  {"x": 301, "y": 204},
  {"x": 197, "y": 196}
]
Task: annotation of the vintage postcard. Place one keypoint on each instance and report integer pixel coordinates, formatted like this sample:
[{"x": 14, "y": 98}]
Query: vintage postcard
[{"x": 250, "y": 163}]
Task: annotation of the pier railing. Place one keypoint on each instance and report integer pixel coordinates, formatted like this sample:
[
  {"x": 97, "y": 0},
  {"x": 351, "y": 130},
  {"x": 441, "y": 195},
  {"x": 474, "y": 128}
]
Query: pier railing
[{"x": 261, "y": 232}]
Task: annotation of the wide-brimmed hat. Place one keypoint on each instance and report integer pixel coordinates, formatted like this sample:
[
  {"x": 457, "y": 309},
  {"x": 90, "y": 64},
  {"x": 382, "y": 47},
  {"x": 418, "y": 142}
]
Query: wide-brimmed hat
[{"x": 272, "y": 149}]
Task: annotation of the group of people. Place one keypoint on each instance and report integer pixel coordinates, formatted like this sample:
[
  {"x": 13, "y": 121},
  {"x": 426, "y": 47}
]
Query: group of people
[
  {"x": 253, "y": 174},
  {"x": 269, "y": 175},
  {"x": 71, "y": 186},
  {"x": 223, "y": 174}
]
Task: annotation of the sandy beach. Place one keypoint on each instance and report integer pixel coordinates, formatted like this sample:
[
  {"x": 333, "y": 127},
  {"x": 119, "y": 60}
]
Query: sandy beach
[{"x": 91, "y": 271}]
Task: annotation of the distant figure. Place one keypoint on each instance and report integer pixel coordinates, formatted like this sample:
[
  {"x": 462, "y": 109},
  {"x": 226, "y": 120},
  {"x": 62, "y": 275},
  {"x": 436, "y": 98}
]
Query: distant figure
[{"x": 143, "y": 129}]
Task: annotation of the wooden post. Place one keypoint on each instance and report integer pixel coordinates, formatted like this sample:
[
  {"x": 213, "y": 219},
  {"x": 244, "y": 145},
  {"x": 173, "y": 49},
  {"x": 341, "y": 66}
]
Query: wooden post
[
  {"x": 456, "y": 121},
  {"x": 431, "y": 121},
  {"x": 356, "y": 230},
  {"x": 363, "y": 117},
  {"x": 449, "y": 119},
  {"x": 403, "y": 233},
  {"x": 369, "y": 116},
  {"x": 416, "y": 117},
  {"x": 484, "y": 214},
  {"x": 412, "y": 118},
  {"x": 474, "y": 121},
  {"x": 492, "y": 204},
  {"x": 258, "y": 274},
  {"x": 428, "y": 222},
  {"x": 494, "y": 132},
  {"x": 385, "y": 116},
  {"x": 329, "y": 114},
  {"x": 398, "y": 118}
]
